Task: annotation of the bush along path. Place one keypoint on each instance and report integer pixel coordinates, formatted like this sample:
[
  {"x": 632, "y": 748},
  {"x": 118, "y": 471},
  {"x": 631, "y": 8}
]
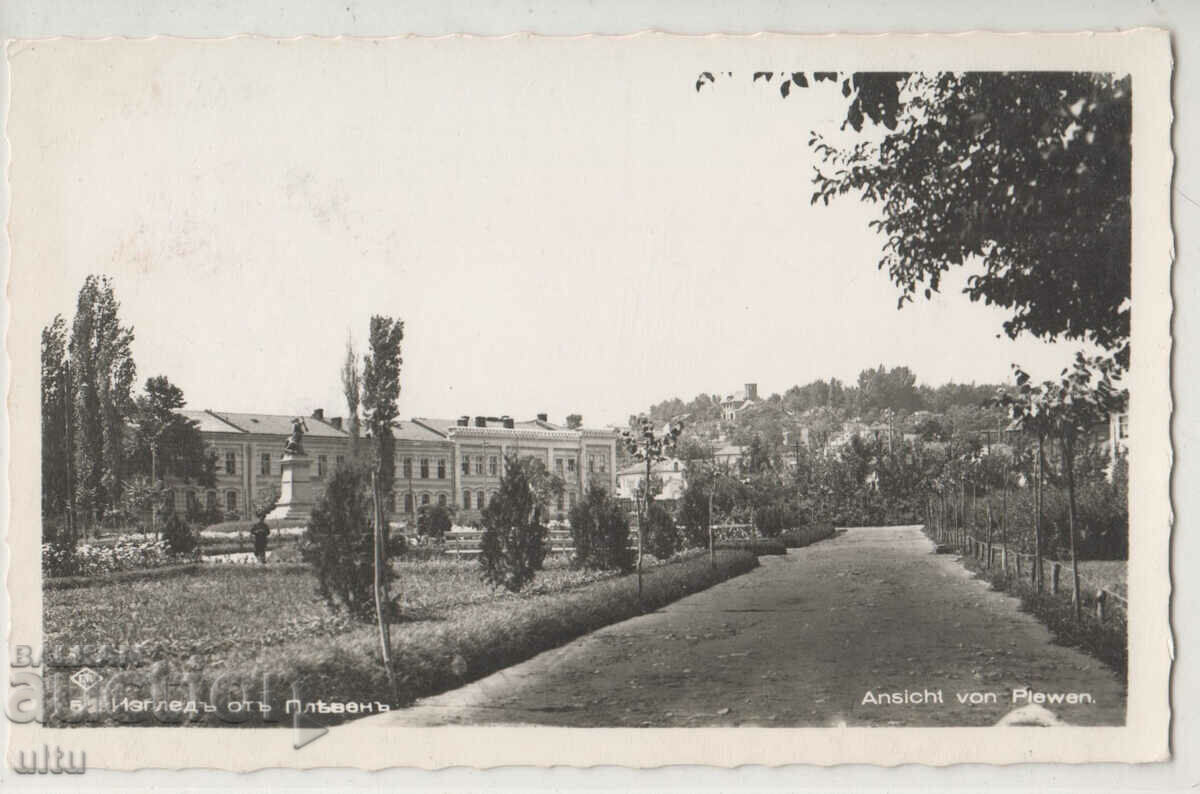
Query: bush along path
[{"x": 869, "y": 628}]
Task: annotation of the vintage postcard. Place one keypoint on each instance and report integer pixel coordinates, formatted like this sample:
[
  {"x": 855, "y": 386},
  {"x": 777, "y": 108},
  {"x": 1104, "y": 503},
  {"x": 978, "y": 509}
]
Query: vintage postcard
[{"x": 634, "y": 400}]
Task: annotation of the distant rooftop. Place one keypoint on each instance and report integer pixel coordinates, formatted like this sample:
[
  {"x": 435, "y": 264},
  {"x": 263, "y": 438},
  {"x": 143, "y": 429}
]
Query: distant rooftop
[{"x": 265, "y": 424}]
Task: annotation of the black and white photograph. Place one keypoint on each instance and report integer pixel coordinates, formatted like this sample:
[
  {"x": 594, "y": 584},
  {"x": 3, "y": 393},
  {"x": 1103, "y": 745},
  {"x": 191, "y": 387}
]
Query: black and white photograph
[{"x": 415, "y": 386}]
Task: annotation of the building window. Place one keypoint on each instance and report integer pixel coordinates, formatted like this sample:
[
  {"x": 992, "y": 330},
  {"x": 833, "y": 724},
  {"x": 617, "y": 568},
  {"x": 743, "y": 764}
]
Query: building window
[
  {"x": 391, "y": 502},
  {"x": 466, "y": 500},
  {"x": 231, "y": 501},
  {"x": 210, "y": 500},
  {"x": 493, "y": 465},
  {"x": 441, "y": 468},
  {"x": 408, "y": 468},
  {"x": 493, "y": 497},
  {"x": 321, "y": 460},
  {"x": 265, "y": 466},
  {"x": 466, "y": 464},
  {"x": 1123, "y": 426},
  {"x": 408, "y": 503},
  {"x": 425, "y": 471},
  {"x": 560, "y": 503},
  {"x": 231, "y": 463},
  {"x": 558, "y": 464},
  {"x": 591, "y": 464},
  {"x": 603, "y": 464},
  {"x": 479, "y": 464},
  {"x": 442, "y": 499},
  {"x": 571, "y": 465},
  {"x": 340, "y": 460},
  {"x": 192, "y": 506},
  {"x": 424, "y": 499},
  {"x": 479, "y": 500}
]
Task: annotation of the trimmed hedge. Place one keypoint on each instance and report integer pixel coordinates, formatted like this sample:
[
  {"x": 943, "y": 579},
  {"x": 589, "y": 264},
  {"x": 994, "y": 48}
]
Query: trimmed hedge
[
  {"x": 760, "y": 547},
  {"x": 806, "y": 536}
]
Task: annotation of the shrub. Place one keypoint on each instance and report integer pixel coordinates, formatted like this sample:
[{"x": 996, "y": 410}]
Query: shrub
[
  {"x": 662, "y": 537},
  {"x": 513, "y": 546},
  {"x": 760, "y": 547},
  {"x": 804, "y": 536},
  {"x": 434, "y": 520},
  {"x": 178, "y": 536},
  {"x": 600, "y": 531},
  {"x": 340, "y": 543}
]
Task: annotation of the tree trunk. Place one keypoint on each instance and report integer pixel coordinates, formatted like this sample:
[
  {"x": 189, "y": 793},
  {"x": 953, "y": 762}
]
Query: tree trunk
[
  {"x": 385, "y": 638},
  {"x": 712, "y": 555},
  {"x": 1069, "y": 454},
  {"x": 1037, "y": 516},
  {"x": 1004, "y": 522}
]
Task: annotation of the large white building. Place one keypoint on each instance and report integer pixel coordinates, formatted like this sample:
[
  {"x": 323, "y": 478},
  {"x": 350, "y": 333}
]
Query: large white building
[{"x": 456, "y": 463}]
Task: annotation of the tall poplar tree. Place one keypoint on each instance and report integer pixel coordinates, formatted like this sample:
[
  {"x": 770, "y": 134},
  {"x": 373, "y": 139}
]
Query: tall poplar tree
[
  {"x": 102, "y": 373},
  {"x": 381, "y": 394},
  {"x": 56, "y": 403},
  {"x": 352, "y": 389}
]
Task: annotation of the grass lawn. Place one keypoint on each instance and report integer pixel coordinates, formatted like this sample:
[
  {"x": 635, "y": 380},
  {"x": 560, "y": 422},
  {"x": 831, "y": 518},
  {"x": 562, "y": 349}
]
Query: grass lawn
[{"x": 248, "y": 620}]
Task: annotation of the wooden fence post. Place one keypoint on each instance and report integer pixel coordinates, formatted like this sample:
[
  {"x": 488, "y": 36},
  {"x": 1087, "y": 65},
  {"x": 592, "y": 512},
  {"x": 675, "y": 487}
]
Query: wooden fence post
[
  {"x": 1018, "y": 566},
  {"x": 1055, "y": 573},
  {"x": 1101, "y": 598}
]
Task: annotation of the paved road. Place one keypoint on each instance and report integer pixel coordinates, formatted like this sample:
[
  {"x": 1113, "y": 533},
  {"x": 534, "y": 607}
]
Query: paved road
[{"x": 801, "y": 642}]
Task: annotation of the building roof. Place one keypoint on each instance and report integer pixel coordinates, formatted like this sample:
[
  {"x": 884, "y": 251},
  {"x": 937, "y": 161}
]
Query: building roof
[
  {"x": 439, "y": 426},
  {"x": 413, "y": 431},
  {"x": 260, "y": 424},
  {"x": 208, "y": 423}
]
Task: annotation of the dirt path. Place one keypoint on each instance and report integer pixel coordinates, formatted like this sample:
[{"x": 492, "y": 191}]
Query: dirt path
[{"x": 801, "y": 642}]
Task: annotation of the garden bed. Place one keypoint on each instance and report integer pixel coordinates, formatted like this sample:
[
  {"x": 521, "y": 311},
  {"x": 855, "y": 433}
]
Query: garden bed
[{"x": 453, "y": 628}]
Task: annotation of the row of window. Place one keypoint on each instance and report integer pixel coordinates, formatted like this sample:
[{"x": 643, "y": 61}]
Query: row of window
[
  {"x": 596, "y": 463},
  {"x": 493, "y": 464},
  {"x": 264, "y": 466},
  {"x": 407, "y": 468}
]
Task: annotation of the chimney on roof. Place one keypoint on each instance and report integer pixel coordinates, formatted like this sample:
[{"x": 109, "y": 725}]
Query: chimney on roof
[
  {"x": 463, "y": 421},
  {"x": 481, "y": 421},
  {"x": 336, "y": 422},
  {"x": 507, "y": 422},
  {"x": 543, "y": 417},
  {"x": 319, "y": 414}
]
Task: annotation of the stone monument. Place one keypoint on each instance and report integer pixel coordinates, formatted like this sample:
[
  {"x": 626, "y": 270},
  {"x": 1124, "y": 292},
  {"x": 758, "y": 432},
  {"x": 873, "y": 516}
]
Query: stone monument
[{"x": 295, "y": 486}]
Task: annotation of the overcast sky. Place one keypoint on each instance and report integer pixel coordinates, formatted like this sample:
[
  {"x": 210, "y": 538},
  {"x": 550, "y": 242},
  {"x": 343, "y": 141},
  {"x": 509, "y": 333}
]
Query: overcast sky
[{"x": 567, "y": 227}]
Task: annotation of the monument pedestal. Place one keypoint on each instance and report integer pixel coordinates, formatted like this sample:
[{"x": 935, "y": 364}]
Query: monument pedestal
[{"x": 295, "y": 489}]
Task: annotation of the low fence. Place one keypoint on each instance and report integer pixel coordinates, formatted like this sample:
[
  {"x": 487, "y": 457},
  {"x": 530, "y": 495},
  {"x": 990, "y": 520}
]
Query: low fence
[{"x": 1024, "y": 568}]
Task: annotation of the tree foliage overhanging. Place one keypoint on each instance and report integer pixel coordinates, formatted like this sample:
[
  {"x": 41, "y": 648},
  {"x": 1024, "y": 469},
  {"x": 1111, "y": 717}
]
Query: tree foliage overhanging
[{"x": 1026, "y": 174}]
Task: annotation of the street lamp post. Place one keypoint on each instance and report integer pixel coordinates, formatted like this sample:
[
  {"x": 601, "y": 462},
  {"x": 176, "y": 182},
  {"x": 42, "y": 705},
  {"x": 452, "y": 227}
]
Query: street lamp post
[{"x": 645, "y": 445}]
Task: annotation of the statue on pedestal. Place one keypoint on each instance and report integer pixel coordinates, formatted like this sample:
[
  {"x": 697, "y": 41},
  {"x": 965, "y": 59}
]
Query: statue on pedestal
[{"x": 294, "y": 445}]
